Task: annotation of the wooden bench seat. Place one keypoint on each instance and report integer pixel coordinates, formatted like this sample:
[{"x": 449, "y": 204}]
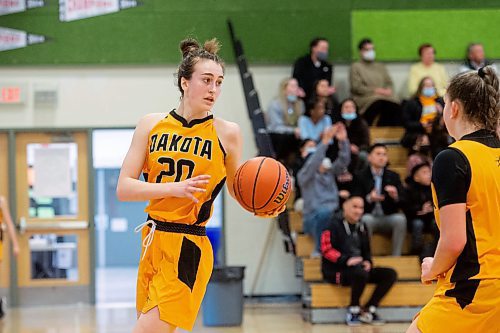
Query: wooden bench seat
[
  {"x": 325, "y": 295},
  {"x": 387, "y": 135},
  {"x": 381, "y": 245},
  {"x": 407, "y": 267}
]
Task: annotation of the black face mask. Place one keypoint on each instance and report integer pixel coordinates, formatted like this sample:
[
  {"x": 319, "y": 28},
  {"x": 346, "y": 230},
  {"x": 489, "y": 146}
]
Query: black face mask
[{"x": 425, "y": 150}]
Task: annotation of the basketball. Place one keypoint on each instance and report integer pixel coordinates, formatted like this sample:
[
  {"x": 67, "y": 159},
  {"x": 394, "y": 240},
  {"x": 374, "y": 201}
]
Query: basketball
[{"x": 262, "y": 185}]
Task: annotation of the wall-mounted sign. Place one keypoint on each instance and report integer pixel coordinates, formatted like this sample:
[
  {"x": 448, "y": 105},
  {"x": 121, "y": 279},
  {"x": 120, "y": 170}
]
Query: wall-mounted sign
[
  {"x": 11, "y": 39},
  {"x": 71, "y": 10},
  {"x": 17, "y": 6}
]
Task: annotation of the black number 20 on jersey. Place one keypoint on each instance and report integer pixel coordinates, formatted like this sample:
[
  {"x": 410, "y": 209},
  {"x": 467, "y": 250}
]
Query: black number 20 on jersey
[{"x": 175, "y": 169}]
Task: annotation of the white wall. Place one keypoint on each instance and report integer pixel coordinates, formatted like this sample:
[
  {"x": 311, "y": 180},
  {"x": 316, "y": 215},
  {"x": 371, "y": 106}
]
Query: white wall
[{"x": 119, "y": 96}]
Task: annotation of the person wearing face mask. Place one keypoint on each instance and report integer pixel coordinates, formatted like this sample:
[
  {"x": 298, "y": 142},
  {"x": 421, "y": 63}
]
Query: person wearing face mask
[
  {"x": 313, "y": 67},
  {"x": 316, "y": 179},
  {"x": 372, "y": 88},
  {"x": 419, "y": 153},
  {"x": 357, "y": 132},
  {"x": 427, "y": 67},
  {"x": 420, "y": 112},
  {"x": 359, "y": 137},
  {"x": 282, "y": 121}
]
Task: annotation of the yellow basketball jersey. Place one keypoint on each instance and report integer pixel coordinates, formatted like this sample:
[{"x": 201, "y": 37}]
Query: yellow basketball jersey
[
  {"x": 480, "y": 258},
  {"x": 178, "y": 150}
]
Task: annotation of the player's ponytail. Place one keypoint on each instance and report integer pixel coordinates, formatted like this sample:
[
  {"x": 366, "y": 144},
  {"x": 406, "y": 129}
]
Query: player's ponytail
[{"x": 478, "y": 92}]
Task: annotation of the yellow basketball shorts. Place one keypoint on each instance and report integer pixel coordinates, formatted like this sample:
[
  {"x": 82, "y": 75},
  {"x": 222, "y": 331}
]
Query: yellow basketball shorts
[
  {"x": 444, "y": 314},
  {"x": 173, "y": 275}
]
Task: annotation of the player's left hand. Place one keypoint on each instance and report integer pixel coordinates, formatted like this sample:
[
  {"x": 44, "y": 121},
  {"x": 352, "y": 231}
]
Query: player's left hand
[
  {"x": 272, "y": 213},
  {"x": 426, "y": 276}
]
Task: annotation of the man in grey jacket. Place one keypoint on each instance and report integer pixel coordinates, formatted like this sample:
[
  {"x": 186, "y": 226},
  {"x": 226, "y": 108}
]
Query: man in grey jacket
[{"x": 317, "y": 182}]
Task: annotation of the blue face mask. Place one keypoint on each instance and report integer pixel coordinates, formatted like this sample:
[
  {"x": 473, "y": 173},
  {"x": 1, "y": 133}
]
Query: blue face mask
[
  {"x": 322, "y": 56},
  {"x": 291, "y": 98},
  {"x": 310, "y": 150},
  {"x": 429, "y": 92},
  {"x": 349, "y": 116}
]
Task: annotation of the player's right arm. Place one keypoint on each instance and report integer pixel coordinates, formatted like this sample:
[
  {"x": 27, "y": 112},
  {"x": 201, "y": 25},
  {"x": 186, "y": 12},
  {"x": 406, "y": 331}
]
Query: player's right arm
[{"x": 130, "y": 188}]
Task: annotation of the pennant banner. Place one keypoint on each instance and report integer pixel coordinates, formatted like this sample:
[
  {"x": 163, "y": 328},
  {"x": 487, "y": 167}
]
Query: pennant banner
[
  {"x": 71, "y": 10},
  {"x": 17, "y": 6},
  {"x": 11, "y": 39}
]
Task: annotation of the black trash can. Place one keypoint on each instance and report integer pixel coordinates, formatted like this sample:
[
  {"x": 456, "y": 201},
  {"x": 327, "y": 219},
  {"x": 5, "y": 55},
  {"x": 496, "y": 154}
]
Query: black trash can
[{"x": 223, "y": 302}]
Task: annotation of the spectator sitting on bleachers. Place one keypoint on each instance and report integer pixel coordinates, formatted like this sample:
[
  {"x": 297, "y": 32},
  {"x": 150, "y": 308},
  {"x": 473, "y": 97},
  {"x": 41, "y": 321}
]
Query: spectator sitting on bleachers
[
  {"x": 420, "y": 153},
  {"x": 314, "y": 121},
  {"x": 313, "y": 67},
  {"x": 357, "y": 132},
  {"x": 372, "y": 88},
  {"x": 475, "y": 59},
  {"x": 381, "y": 187},
  {"x": 420, "y": 112},
  {"x": 359, "y": 137},
  {"x": 417, "y": 205},
  {"x": 282, "y": 121},
  {"x": 322, "y": 91},
  {"x": 427, "y": 68},
  {"x": 284, "y": 111},
  {"x": 316, "y": 179},
  {"x": 346, "y": 260}
]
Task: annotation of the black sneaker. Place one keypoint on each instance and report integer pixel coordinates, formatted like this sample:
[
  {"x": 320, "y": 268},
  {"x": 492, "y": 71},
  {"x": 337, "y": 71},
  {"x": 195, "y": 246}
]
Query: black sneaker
[
  {"x": 352, "y": 317},
  {"x": 2, "y": 313},
  {"x": 375, "y": 318}
]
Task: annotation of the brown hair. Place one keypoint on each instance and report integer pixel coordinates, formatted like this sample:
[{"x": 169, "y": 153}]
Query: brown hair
[
  {"x": 421, "y": 86},
  {"x": 478, "y": 92},
  {"x": 192, "y": 52},
  {"x": 425, "y": 46}
]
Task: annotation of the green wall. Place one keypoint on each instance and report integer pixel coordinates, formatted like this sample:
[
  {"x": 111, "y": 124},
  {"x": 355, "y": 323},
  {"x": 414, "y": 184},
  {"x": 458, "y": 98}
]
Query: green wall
[
  {"x": 272, "y": 32},
  {"x": 397, "y": 34}
]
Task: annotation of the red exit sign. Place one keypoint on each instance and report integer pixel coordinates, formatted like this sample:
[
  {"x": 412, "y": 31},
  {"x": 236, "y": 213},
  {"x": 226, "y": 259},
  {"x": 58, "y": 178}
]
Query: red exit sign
[{"x": 10, "y": 95}]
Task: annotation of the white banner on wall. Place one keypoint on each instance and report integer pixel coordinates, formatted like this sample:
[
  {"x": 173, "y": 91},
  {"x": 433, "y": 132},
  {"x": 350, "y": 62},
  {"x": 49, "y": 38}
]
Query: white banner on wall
[
  {"x": 17, "y": 6},
  {"x": 71, "y": 10},
  {"x": 11, "y": 39}
]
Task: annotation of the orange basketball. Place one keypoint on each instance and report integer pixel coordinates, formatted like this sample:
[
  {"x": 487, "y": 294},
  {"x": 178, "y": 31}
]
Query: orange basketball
[{"x": 262, "y": 185}]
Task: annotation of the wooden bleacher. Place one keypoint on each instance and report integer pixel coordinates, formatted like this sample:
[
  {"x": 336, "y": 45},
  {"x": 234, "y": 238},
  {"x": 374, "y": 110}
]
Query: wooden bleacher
[{"x": 326, "y": 303}]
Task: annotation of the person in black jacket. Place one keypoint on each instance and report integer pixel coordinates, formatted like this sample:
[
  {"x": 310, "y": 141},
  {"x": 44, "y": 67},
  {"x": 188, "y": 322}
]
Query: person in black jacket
[
  {"x": 314, "y": 67},
  {"x": 417, "y": 205},
  {"x": 381, "y": 188},
  {"x": 346, "y": 260}
]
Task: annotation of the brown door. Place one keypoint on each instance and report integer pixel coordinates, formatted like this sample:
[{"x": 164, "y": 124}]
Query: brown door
[
  {"x": 4, "y": 191},
  {"x": 52, "y": 209}
]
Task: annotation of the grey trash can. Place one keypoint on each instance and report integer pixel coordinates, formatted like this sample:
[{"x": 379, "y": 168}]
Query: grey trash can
[{"x": 223, "y": 302}]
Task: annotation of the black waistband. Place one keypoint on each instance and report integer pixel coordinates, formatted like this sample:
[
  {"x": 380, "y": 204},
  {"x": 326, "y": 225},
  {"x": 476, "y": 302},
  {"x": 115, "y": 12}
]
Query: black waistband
[{"x": 178, "y": 227}]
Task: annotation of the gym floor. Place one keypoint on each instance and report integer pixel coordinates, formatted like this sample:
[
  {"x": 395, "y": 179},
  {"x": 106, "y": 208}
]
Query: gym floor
[{"x": 120, "y": 318}]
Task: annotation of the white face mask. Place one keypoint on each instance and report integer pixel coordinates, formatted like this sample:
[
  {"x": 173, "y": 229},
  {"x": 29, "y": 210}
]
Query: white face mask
[{"x": 368, "y": 55}]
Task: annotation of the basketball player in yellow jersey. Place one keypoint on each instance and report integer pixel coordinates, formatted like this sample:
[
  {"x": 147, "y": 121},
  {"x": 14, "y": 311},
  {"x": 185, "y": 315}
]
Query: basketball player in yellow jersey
[
  {"x": 6, "y": 221},
  {"x": 466, "y": 193},
  {"x": 186, "y": 156}
]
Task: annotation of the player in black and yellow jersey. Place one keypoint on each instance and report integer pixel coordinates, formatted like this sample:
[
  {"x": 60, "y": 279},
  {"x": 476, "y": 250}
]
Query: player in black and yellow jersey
[
  {"x": 466, "y": 193},
  {"x": 6, "y": 223},
  {"x": 186, "y": 156}
]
